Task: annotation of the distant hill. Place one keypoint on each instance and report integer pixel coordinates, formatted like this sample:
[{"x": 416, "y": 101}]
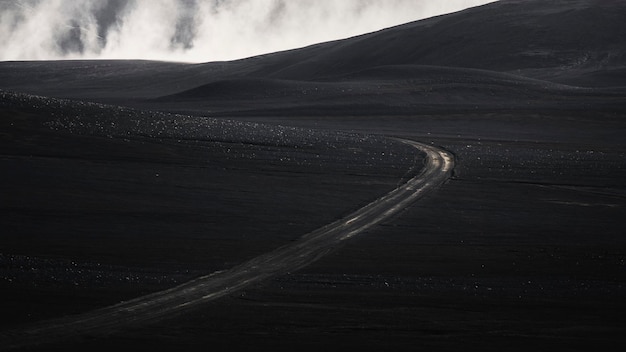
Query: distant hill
[
  {"x": 568, "y": 41},
  {"x": 508, "y": 53}
]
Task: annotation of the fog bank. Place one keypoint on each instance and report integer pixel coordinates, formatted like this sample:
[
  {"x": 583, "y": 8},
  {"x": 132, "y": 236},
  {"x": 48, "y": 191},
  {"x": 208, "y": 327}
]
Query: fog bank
[{"x": 194, "y": 30}]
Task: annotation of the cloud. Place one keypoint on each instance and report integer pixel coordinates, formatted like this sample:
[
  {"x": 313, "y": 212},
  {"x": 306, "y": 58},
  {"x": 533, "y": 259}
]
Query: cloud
[{"x": 194, "y": 30}]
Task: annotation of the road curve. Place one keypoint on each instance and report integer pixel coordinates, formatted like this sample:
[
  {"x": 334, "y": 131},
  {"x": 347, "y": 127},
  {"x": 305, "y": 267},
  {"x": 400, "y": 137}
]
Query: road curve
[{"x": 291, "y": 257}]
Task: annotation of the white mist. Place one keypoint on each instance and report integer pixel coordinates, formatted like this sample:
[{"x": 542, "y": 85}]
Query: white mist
[{"x": 194, "y": 30}]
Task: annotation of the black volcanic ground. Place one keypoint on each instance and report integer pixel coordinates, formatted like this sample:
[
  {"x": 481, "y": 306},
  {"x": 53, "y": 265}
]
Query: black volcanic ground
[{"x": 120, "y": 178}]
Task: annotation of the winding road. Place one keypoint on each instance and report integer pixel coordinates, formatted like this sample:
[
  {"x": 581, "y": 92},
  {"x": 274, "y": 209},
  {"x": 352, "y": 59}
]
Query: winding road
[{"x": 288, "y": 258}]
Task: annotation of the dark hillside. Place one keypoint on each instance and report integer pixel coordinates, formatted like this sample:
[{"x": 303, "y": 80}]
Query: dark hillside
[
  {"x": 556, "y": 40},
  {"x": 577, "y": 42},
  {"x": 102, "y": 201}
]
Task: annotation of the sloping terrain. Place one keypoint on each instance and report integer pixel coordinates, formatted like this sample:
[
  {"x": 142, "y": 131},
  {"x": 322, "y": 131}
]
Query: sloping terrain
[
  {"x": 578, "y": 43},
  {"x": 556, "y": 40},
  {"x": 99, "y": 197}
]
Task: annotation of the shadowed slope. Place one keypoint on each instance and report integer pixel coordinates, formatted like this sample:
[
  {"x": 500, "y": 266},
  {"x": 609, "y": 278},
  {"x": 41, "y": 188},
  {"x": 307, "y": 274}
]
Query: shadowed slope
[
  {"x": 99, "y": 197},
  {"x": 414, "y": 89},
  {"x": 578, "y": 42},
  {"x": 558, "y": 40}
]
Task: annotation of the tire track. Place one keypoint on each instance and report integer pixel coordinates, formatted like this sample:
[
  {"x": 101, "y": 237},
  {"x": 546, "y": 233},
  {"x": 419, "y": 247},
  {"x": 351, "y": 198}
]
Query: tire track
[{"x": 291, "y": 257}]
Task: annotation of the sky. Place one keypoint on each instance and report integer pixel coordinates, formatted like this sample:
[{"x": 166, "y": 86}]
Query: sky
[{"x": 194, "y": 30}]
